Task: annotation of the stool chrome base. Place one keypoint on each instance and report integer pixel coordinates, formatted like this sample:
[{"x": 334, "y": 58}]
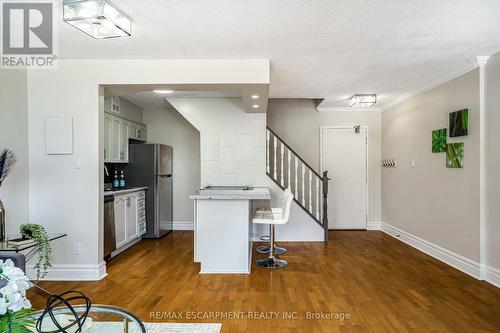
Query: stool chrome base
[
  {"x": 271, "y": 263},
  {"x": 263, "y": 249}
]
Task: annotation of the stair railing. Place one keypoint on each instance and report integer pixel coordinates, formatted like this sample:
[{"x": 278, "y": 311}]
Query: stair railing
[{"x": 287, "y": 169}]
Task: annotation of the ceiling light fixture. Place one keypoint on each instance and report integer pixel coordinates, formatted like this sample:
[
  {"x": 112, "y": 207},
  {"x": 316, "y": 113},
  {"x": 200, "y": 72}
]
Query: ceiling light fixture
[
  {"x": 159, "y": 91},
  {"x": 363, "y": 100},
  {"x": 255, "y": 96},
  {"x": 255, "y": 106},
  {"x": 97, "y": 18}
]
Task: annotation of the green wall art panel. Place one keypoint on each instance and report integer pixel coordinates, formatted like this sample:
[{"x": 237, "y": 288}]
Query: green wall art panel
[
  {"x": 459, "y": 123},
  {"x": 455, "y": 155},
  {"x": 439, "y": 140}
]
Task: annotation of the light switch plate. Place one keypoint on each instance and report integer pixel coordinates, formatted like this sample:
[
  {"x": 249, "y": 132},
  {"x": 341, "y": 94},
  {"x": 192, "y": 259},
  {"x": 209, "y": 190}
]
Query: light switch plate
[
  {"x": 412, "y": 163},
  {"x": 76, "y": 163}
]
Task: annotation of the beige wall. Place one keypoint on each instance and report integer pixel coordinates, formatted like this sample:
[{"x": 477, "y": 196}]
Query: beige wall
[
  {"x": 297, "y": 122},
  {"x": 430, "y": 201},
  {"x": 171, "y": 128},
  {"x": 14, "y": 135},
  {"x": 492, "y": 180}
]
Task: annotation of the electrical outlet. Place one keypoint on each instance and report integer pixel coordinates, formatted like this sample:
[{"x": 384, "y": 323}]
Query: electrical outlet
[{"x": 77, "y": 248}]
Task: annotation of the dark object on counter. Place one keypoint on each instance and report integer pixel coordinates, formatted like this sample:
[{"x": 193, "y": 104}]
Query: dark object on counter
[
  {"x": 109, "y": 226},
  {"x": 65, "y": 299}
]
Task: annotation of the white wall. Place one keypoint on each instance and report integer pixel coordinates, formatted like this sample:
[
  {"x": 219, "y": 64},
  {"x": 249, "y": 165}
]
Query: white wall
[
  {"x": 432, "y": 202},
  {"x": 70, "y": 200},
  {"x": 233, "y": 152},
  {"x": 492, "y": 180},
  {"x": 171, "y": 128},
  {"x": 14, "y": 192},
  {"x": 297, "y": 122}
]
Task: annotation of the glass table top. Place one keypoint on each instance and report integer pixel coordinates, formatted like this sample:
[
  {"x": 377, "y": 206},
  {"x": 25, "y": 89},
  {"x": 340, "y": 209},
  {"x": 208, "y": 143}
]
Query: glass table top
[
  {"x": 100, "y": 319},
  {"x": 7, "y": 246}
]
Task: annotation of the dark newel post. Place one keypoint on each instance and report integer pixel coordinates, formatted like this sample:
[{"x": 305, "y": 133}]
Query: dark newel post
[{"x": 325, "y": 203}]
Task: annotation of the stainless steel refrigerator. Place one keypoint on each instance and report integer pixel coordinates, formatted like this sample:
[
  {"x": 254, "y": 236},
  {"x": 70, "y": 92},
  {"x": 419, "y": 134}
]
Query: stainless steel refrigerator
[{"x": 151, "y": 165}]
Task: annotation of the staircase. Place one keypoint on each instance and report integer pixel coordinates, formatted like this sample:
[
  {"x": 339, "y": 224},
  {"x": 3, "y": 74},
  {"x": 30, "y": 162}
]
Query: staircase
[{"x": 288, "y": 170}]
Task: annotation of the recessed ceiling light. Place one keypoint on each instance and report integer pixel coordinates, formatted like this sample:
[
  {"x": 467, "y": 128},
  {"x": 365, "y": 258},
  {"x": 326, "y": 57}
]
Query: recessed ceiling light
[
  {"x": 255, "y": 106},
  {"x": 159, "y": 91},
  {"x": 254, "y": 96},
  {"x": 363, "y": 100}
]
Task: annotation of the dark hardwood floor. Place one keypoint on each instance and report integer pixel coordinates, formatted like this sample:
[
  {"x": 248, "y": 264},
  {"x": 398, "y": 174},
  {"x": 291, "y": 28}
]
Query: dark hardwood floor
[{"x": 372, "y": 281}]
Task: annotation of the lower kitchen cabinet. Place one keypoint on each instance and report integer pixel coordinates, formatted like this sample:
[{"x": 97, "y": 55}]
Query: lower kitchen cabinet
[{"x": 129, "y": 217}]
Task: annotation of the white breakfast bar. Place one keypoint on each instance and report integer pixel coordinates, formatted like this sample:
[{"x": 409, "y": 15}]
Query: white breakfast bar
[{"x": 222, "y": 228}]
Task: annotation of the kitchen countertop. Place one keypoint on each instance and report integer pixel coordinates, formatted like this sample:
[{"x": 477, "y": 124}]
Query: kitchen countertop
[
  {"x": 127, "y": 190},
  {"x": 257, "y": 193}
]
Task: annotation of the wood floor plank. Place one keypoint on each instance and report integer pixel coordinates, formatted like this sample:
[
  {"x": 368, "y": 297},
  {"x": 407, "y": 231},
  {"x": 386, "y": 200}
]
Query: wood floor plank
[{"x": 383, "y": 285}]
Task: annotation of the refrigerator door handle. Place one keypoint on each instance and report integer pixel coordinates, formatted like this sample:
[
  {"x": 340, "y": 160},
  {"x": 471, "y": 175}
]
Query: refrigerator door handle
[{"x": 164, "y": 176}]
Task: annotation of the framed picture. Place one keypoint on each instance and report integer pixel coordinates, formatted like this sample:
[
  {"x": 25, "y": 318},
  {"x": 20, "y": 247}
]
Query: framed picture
[
  {"x": 439, "y": 140},
  {"x": 459, "y": 123},
  {"x": 455, "y": 155}
]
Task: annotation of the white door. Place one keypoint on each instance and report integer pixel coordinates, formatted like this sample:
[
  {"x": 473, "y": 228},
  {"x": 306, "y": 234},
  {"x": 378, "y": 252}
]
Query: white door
[
  {"x": 344, "y": 155},
  {"x": 107, "y": 138},
  {"x": 123, "y": 144},
  {"x": 115, "y": 139}
]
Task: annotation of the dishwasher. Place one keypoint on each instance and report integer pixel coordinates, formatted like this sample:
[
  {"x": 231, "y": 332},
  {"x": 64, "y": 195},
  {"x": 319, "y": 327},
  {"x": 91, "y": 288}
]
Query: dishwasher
[{"x": 109, "y": 226}]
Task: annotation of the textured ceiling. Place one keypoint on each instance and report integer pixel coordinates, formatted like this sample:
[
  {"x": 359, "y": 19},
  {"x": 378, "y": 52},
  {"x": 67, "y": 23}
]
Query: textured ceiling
[{"x": 318, "y": 49}]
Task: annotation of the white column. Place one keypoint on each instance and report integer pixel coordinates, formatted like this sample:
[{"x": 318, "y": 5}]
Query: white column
[{"x": 481, "y": 62}]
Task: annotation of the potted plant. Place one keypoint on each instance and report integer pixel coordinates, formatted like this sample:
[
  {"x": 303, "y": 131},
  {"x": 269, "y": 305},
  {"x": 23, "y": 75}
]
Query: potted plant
[
  {"x": 37, "y": 233},
  {"x": 15, "y": 308}
]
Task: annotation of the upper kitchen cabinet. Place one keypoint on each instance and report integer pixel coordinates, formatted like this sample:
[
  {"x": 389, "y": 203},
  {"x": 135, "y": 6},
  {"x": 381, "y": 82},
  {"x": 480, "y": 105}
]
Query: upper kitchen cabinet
[{"x": 117, "y": 132}]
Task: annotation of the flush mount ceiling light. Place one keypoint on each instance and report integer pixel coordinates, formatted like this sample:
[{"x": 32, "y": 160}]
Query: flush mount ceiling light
[
  {"x": 363, "y": 100},
  {"x": 97, "y": 18},
  {"x": 255, "y": 96},
  {"x": 160, "y": 91},
  {"x": 255, "y": 106}
]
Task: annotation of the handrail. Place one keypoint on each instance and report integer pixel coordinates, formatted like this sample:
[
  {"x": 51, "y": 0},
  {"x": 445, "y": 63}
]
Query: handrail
[{"x": 293, "y": 151}]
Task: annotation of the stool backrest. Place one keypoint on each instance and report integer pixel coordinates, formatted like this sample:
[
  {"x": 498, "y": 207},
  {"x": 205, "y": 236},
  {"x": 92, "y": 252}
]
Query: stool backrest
[{"x": 287, "y": 204}]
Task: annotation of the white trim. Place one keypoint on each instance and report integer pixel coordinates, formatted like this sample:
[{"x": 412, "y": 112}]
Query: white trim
[
  {"x": 493, "y": 276},
  {"x": 72, "y": 272},
  {"x": 371, "y": 109},
  {"x": 183, "y": 225},
  {"x": 178, "y": 225},
  {"x": 481, "y": 62},
  {"x": 321, "y": 128},
  {"x": 374, "y": 225},
  {"x": 453, "y": 259}
]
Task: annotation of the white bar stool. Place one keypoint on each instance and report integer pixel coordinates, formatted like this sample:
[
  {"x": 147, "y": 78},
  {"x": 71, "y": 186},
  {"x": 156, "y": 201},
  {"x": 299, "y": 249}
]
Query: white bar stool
[
  {"x": 273, "y": 218},
  {"x": 278, "y": 250}
]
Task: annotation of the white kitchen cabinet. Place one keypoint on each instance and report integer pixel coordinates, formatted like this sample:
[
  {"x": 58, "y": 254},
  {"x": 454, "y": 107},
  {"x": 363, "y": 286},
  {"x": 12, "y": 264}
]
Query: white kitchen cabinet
[
  {"x": 142, "y": 133},
  {"x": 132, "y": 217},
  {"x": 107, "y": 137},
  {"x": 130, "y": 221},
  {"x": 121, "y": 220},
  {"x": 117, "y": 132},
  {"x": 124, "y": 135}
]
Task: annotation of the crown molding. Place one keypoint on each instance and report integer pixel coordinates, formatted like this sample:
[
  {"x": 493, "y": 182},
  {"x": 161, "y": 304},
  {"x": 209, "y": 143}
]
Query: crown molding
[{"x": 482, "y": 60}]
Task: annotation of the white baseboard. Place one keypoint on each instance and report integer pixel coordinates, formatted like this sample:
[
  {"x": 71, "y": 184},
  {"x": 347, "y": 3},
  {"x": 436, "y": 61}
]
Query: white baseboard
[
  {"x": 453, "y": 259},
  {"x": 373, "y": 225},
  {"x": 179, "y": 225},
  {"x": 72, "y": 272},
  {"x": 493, "y": 276}
]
